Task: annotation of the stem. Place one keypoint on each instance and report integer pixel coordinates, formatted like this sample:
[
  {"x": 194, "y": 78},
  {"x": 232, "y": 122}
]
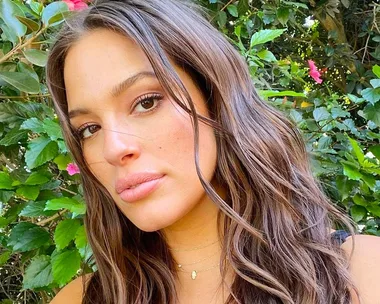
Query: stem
[
  {"x": 68, "y": 191},
  {"x": 20, "y": 46},
  {"x": 52, "y": 218}
]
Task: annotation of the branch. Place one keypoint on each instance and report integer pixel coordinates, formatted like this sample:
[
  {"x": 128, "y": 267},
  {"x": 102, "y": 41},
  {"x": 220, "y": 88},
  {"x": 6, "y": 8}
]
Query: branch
[
  {"x": 52, "y": 218},
  {"x": 20, "y": 46}
]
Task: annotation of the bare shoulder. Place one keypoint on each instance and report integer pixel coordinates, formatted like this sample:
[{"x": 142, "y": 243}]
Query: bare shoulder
[
  {"x": 365, "y": 266},
  {"x": 72, "y": 292}
]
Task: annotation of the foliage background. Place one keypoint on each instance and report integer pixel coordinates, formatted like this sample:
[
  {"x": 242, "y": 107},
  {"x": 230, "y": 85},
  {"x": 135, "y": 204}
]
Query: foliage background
[{"x": 43, "y": 245}]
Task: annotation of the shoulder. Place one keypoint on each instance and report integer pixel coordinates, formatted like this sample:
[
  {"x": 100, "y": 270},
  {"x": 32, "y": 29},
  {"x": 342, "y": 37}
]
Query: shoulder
[
  {"x": 365, "y": 265},
  {"x": 72, "y": 292}
]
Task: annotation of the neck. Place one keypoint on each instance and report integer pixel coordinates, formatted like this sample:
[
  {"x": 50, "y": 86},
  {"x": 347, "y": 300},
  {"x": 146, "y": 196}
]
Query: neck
[{"x": 196, "y": 246}]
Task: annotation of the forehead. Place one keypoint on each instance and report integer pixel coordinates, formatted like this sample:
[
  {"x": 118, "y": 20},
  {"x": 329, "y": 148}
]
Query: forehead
[{"x": 99, "y": 60}]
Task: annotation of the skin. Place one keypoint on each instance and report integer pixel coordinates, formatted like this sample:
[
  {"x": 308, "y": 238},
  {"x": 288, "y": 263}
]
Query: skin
[{"x": 121, "y": 141}]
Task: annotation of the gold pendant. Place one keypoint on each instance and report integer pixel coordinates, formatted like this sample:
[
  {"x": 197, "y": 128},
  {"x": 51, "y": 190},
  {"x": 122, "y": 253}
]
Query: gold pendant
[{"x": 193, "y": 274}]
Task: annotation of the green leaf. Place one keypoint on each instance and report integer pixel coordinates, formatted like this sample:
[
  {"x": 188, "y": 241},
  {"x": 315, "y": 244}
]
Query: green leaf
[
  {"x": 28, "y": 192},
  {"x": 232, "y": 9},
  {"x": 320, "y": 114},
  {"x": 296, "y": 116},
  {"x": 375, "y": 150},
  {"x": 371, "y": 112},
  {"x": 375, "y": 83},
  {"x": 62, "y": 160},
  {"x": 264, "y": 36},
  {"x": 8, "y": 35},
  {"x": 21, "y": 81},
  {"x": 82, "y": 244},
  {"x": 52, "y": 129},
  {"x": 53, "y": 14},
  {"x": 8, "y": 12},
  {"x": 357, "y": 150},
  {"x": 370, "y": 181},
  {"x": 266, "y": 94},
  {"x": 33, "y": 124},
  {"x": 355, "y": 99},
  {"x": 339, "y": 112},
  {"x": 30, "y": 24},
  {"x": 38, "y": 273},
  {"x": 81, "y": 237},
  {"x": 5, "y": 196},
  {"x": 266, "y": 55},
  {"x": 27, "y": 236},
  {"x": 35, "y": 209},
  {"x": 65, "y": 232},
  {"x": 243, "y": 6},
  {"x": 345, "y": 186},
  {"x": 36, "y": 6},
  {"x": 65, "y": 266},
  {"x": 375, "y": 210},
  {"x": 4, "y": 257},
  {"x": 371, "y": 95},
  {"x": 296, "y": 4},
  {"x": 376, "y": 70},
  {"x": 283, "y": 15},
  {"x": 5, "y": 181},
  {"x": 26, "y": 69},
  {"x": 359, "y": 200},
  {"x": 358, "y": 213},
  {"x": 15, "y": 112},
  {"x": 222, "y": 19},
  {"x": 13, "y": 137},
  {"x": 40, "y": 150},
  {"x": 36, "y": 57},
  {"x": 351, "y": 172},
  {"x": 36, "y": 178},
  {"x": 66, "y": 203}
]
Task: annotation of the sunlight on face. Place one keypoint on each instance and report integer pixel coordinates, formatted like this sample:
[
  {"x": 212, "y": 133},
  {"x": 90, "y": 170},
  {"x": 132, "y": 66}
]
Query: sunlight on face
[{"x": 132, "y": 131}]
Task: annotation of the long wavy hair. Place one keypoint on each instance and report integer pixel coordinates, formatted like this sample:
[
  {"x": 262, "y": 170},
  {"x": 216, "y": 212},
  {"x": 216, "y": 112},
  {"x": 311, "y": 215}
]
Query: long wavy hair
[{"x": 276, "y": 218}]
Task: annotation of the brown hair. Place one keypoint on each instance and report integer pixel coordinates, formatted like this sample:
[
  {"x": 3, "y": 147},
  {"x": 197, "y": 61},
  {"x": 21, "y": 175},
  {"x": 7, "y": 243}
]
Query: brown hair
[{"x": 276, "y": 218}]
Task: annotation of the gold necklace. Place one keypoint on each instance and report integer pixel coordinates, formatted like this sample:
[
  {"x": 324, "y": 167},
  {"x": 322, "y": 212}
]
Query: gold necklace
[
  {"x": 204, "y": 259},
  {"x": 194, "y": 272},
  {"x": 194, "y": 248}
]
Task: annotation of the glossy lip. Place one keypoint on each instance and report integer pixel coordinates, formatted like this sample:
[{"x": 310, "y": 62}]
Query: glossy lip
[{"x": 143, "y": 184}]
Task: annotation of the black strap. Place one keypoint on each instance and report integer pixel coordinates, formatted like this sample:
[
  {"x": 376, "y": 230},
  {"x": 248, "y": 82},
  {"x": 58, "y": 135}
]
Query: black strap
[{"x": 339, "y": 236}]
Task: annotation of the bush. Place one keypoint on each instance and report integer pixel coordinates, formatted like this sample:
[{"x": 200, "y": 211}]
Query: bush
[{"x": 316, "y": 61}]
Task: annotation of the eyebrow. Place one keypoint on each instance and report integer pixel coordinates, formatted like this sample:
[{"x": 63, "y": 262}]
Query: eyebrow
[{"x": 117, "y": 90}]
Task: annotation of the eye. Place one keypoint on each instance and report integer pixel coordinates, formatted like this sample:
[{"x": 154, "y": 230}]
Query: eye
[
  {"x": 87, "y": 130},
  {"x": 148, "y": 103}
]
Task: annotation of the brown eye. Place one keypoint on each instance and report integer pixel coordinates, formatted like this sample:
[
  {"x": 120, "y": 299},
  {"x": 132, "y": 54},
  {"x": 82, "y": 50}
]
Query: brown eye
[
  {"x": 87, "y": 131},
  {"x": 147, "y": 103}
]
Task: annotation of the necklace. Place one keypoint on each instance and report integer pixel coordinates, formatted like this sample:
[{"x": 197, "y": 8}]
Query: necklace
[
  {"x": 204, "y": 259},
  {"x": 194, "y": 272},
  {"x": 194, "y": 248}
]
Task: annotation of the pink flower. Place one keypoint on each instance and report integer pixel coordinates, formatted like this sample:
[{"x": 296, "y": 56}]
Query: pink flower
[
  {"x": 314, "y": 72},
  {"x": 76, "y": 5},
  {"x": 72, "y": 169}
]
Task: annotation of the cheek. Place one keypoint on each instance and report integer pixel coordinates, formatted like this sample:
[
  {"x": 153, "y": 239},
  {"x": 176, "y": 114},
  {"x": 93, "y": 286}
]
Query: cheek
[{"x": 176, "y": 144}]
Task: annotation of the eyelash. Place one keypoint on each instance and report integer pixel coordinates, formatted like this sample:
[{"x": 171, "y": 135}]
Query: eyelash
[{"x": 155, "y": 96}]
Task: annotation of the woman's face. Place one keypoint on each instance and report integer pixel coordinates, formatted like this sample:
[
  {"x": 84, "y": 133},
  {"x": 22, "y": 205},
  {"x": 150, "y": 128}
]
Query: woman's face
[{"x": 133, "y": 134}]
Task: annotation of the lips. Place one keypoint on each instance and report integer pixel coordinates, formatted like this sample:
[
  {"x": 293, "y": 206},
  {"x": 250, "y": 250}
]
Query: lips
[{"x": 138, "y": 185}]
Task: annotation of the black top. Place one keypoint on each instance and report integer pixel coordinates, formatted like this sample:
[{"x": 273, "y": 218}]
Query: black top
[{"x": 339, "y": 236}]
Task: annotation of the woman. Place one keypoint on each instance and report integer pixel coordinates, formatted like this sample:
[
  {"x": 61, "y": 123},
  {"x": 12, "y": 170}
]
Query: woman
[{"x": 197, "y": 191}]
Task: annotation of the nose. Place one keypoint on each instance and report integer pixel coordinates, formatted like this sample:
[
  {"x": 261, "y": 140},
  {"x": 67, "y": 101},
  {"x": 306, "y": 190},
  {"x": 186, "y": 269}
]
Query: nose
[{"x": 120, "y": 147}]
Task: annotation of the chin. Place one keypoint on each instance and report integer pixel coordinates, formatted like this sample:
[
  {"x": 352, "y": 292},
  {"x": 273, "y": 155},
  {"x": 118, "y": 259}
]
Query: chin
[{"x": 154, "y": 223}]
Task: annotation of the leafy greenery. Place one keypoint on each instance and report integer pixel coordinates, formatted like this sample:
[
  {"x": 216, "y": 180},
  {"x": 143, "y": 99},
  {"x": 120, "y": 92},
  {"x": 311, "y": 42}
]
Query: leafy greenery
[{"x": 43, "y": 244}]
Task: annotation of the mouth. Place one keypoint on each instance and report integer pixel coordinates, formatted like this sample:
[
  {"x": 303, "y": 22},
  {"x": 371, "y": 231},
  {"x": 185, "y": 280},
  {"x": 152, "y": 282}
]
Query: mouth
[{"x": 140, "y": 190}]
